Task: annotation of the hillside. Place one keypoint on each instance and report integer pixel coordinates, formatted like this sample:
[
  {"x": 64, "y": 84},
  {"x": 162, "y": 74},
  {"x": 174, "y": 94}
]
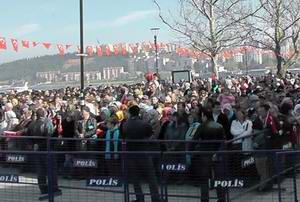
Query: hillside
[{"x": 26, "y": 68}]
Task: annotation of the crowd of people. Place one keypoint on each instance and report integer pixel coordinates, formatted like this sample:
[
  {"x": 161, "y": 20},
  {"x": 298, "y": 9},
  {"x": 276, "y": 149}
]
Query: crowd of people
[{"x": 246, "y": 113}]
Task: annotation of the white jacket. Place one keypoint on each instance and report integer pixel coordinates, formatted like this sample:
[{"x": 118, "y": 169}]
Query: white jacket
[
  {"x": 239, "y": 130},
  {"x": 11, "y": 120}
]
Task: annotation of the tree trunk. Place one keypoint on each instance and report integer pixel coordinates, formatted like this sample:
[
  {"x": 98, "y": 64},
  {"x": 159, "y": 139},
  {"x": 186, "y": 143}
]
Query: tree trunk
[
  {"x": 214, "y": 64},
  {"x": 281, "y": 70}
]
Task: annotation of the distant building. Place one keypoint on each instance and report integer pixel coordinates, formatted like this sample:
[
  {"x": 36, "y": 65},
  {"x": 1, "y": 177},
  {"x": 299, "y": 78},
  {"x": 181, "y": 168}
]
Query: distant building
[
  {"x": 93, "y": 75},
  {"x": 239, "y": 58},
  {"x": 75, "y": 76},
  {"x": 50, "y": 76},
  {"x": 131, "y": 65},
  {"x": 71, "y": 76},
  {"x": 112, "y": 72}
]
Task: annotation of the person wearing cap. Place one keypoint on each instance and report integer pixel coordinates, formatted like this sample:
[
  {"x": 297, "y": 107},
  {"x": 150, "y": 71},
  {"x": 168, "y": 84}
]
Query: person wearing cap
[
  {"x": 140, "y": 166},
  {"x": 86, "y": 128}
]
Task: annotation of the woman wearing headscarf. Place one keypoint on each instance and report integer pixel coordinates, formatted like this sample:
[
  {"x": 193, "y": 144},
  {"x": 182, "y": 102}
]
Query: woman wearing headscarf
[
  {"x": 153, "y": 117},
  {"x": 193, "y": 121}
]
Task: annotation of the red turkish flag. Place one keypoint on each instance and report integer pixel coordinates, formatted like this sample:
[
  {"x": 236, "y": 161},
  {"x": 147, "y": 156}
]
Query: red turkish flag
[
  {"x": 270, "y": 122},
  {"x": 152, "y": 46},
  {"x": 2, "y": 43},
  {"x": 89, "y": 50},
  {"x": 146, "y": 47},
  {"x": 116, "y": 50},
  {"x": 99, "y": 51},
  {"x": 107, "y": 51},
  {"x": 47, "y": 45},
  {"x": 124, "y": 51},
  {"x": 14, "y": 43},
  {"x": 134, "y": 49},
  {"x": 35, "y": 43},
  {"x": 61, "y": 49},
  {"x": 25, "y": 44},
  {"x": 162, "y": 46},
  {"x": 68, "y": 46}
]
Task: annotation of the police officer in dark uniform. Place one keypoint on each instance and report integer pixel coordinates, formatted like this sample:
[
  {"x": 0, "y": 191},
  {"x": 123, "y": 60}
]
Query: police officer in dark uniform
[
  {"x": 43, "y": 127},
  {"x": 140, "y": 166}
]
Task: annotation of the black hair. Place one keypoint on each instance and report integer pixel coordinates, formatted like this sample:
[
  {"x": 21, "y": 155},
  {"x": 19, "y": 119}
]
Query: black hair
[
  {"x": 40, "y": 113},
  {"x": 265, "y": 106},
  {"x": 239, "y": 109},
  {"x": 216, "y": 103},
  {"x": 87, "y": 109},
  {"x": 208, "y": 114},
  {"x": 1, "y": 114},
  {"x": 134, "y": 111}
]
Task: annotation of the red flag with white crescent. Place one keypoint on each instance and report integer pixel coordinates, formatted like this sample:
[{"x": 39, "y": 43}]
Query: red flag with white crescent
[
  {"x": 152, "y": 46},
  {"x": 47, "y": 45},
  {"x": 99, "y": 51},
  {"x": 270, "y": 122},
  {"x": 124, "y": 51},
  {"x": 14, "y": 43},
  {"x": 2, "y": 43},
  {"x": 134, "y": 49},
  {"x": 61, "y": 49},
  {"x": 116, "y": 50},
  {"x": 34, "y": 44},
  {"x": 107, "y": 51},
  {"x": 68, "y": 46},
  {"x": 25, "y": 44}
]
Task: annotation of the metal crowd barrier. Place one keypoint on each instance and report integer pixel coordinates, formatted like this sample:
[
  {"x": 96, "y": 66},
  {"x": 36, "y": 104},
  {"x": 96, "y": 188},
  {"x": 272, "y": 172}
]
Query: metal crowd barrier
[{"x": 157, "y": 173}]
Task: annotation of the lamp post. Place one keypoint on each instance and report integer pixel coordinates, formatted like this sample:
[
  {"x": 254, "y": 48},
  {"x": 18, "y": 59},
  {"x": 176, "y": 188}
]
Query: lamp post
[
  {"x": 155, "y": 31},
  {"x": 81, "y": 55},
  {"x": 81, "y": 47}
]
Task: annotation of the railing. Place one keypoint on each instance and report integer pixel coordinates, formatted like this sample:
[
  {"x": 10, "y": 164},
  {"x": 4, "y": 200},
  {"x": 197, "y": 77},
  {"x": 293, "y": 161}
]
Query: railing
[{"x": 97, "y": 175}]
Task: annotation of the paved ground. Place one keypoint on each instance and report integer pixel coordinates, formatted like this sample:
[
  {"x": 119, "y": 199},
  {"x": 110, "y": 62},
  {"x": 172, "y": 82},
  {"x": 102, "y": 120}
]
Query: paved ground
[{"x": 76, "y": 191}]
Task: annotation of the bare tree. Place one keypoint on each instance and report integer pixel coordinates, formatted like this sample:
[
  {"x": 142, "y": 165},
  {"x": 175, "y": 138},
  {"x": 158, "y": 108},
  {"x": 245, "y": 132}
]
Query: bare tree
[
  {"x": 209, "y": 25},
  {"x": 276, "y": 27}
]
